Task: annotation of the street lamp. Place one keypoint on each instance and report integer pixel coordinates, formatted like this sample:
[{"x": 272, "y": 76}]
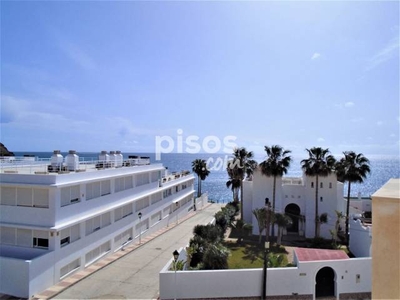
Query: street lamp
[
  {"x": 140, "y": 227},
  {"x": 267, "y": 219},
  {"x": 176, "y": 255}
]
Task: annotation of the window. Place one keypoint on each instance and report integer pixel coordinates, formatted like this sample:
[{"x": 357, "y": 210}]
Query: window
[
  {"x": 41, "y": 198},
  {"x": 123, "y": 183},
  {"x": 24, "y": 197},
  {"x": 98, "y": 252},
  {"x": 97, "y": 223},
  {"x": 70, "y": 195},
  {"x": 7, "y": 236},
  {"x": 98, "y": 189},
  {"x": 321, "y": 199},
  {"x": 123, "y": 238},
  {"x": 321, "y": 185},
  {"x": 24, "y": 237},
  {"x": 330, "y": 185},
  {"x": 122, "y": 212},
  {"x": 30, "y": 197},
  {"x": 176, "y": 189},
  {"x": 69, "y": 235},
  {"x": 155, "y": 218},
  {"x": 64, "y": 241},
  {"x": 142, "y": 179},
  {"x": 93, "y": 190},
  {"x": 40, "y": 239},
  {"x": 156, "y": 198},
  {"x": 40, "y": 243},
  {"x": 69, "y": 268},
  {"x": 312, "y": 185},
  {"x": 105, "y": 187},
  {"x": 155, "y": 176},
  {"x": 142, "y": 203},
  {"x": 8, "y": 196},
  {"x": 167, "y": 193}
]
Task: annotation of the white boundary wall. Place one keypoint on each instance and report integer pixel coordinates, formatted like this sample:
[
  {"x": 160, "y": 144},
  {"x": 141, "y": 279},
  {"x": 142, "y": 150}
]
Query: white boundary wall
[
  {"x": 351, "y": 276},
  {"x": 360, "y": 239}
]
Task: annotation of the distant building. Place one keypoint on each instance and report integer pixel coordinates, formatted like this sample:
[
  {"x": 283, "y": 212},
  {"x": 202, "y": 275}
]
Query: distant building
[
  {"x": 60, "y": 216},
  {"x": 295, "y": 196},
  {"x": 386, "y": 241}
]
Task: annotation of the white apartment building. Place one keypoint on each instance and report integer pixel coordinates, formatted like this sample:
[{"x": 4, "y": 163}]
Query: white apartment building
[
  {"x": 296, "y": 197},
  {"x": 60, "y": 216}
]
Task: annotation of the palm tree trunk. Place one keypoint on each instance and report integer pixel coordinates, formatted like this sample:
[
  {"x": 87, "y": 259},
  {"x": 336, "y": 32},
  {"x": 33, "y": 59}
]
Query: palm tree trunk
[
  {"x": 316, "y": 208},
  {"x": 279, "y": 241},
  {"x": 347, "y": 215},
  {"x": 241, "y": 200},
  {"x": 198, "y": 186},
  {"x": 273, "y": 207}
]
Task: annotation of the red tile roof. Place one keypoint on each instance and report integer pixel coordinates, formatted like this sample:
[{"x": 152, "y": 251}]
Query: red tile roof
[{"x": 309, "y": 254}]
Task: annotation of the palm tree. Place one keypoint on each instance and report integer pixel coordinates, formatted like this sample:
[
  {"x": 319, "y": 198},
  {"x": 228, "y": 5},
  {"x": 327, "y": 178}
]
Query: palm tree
[
  {"x": 234, "y": 180},
  {"x": 246, "y": 165},
  {"x": 335, "y": 232},
  {"x": 352, "y": 168},
  {"x": 199, "y": 166},
  {"x": 276, "y": 164},
  {"x": 282, "y": 220},
  {"x": 319, "y": 164},
  {"x": 261, "y": 216}
]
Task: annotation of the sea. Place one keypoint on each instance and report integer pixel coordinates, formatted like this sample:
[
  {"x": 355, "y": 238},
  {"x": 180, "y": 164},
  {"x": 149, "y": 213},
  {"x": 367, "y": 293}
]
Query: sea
[{"x": 383, "y": 168}]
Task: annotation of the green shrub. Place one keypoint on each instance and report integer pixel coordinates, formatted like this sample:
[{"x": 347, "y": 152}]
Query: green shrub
[
  {"x": 215, "y": 257},
  {"x": 179, "y": 265},
  {"x": 210, "y": 233}
]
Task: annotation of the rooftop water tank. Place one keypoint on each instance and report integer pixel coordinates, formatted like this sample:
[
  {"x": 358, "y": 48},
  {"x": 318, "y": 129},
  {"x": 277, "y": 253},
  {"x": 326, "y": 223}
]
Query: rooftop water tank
[
  {"x": 56, "y": 159},
  {"x": 113, "y": 158},
  {"x": 72, "y": 161},
  {"x": 120, "y": 159},
  {"x": 103, "y": 156}
]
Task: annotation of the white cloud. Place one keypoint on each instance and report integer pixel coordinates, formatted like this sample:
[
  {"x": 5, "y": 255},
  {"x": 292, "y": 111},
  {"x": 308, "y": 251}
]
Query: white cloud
[
  {"x": 320, "y": 139},
  {"x": 379, "y": 123},
  {"x": 347, "y": 104},
  {"x": 386, "y": 53},
  {"x": 316, "y": 55},
  {"x": 74, "y": 52},
  {"x": 357, "y": 120},
  {"x": 392, "y": 135}
]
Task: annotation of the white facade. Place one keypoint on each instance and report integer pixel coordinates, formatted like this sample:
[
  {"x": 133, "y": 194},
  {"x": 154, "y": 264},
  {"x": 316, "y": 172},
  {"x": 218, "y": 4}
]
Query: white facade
[
  {"x": 295, "y": 196},
  {"x": 54, "y": 222},
  {"x": 360, "y": 238}
]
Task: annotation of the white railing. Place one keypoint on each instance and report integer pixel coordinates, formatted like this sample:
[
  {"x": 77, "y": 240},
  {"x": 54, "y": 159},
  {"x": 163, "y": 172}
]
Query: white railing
[
  {"x": 35, "y": 165},
  {"x": 292, "y": 181}
]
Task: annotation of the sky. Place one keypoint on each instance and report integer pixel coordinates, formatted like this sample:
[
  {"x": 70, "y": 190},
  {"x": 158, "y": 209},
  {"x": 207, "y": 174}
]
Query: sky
[{"x": 102, "y": 75}]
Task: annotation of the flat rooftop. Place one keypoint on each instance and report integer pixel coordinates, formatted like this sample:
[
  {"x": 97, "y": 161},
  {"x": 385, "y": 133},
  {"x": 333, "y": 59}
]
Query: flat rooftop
[
  {"x": 45, "y": 166},
  {"x": 310, "y": 254}
]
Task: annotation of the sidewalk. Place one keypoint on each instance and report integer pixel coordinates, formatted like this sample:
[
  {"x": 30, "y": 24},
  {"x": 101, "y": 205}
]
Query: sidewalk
[{"x": 134, "y": 272}]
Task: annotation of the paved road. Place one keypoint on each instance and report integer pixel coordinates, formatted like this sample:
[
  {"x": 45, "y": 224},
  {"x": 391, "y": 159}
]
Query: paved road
[{"x": 136, "y": 275}]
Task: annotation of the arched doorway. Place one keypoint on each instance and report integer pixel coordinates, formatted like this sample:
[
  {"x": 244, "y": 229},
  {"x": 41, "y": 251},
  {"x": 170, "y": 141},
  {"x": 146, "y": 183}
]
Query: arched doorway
[
  {"x": 325, "y": 283},
  {"x": 293, "y": 211}
]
